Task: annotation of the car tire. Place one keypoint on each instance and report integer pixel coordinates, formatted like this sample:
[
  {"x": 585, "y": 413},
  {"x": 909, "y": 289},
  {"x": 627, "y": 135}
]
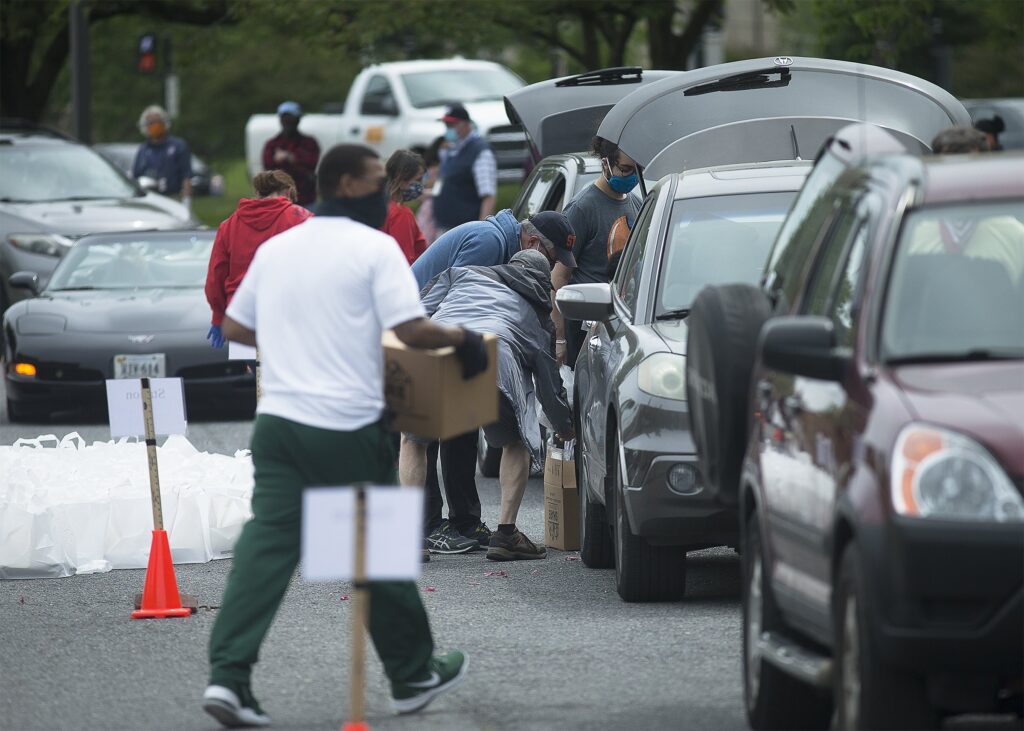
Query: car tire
[
  {"x": 869, "y": 694},
  {"x": 596, "y": 549},
  {"x": 488, "y": 458},
  {"x": 773, "y": 699},
  {"x": 721, "y": 346},
  {"x": 643, "y": 573}
]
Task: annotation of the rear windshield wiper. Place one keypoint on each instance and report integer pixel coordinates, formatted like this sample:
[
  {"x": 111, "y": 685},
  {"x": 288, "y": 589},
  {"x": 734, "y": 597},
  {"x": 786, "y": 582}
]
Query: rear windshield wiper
[
  {"x": 677, "y": 314},
  {"x": 981, "y": 354},
  {"x": 72, "y": 289},
  {"x": 739, "y": 82}
]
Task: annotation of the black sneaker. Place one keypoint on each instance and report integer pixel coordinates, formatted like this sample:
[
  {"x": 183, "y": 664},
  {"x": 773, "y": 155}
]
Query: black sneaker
[
  {"x": 234, "y": 709},
  {"x": 516, "y": 547},
  {"x": 479, "y": 533},
  {"x": 448, "y": 540}
]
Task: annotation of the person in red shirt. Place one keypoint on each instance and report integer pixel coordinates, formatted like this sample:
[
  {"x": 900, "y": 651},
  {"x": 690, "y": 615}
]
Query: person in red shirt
[
  {"x": 294, "y": 153},
  {"x": 256, "y": 220},
  {"x": 405, "y": 170}
]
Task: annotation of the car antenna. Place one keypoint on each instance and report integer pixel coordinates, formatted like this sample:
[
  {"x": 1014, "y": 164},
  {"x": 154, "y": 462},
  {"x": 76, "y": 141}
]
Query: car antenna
[{"x": 796, "y": 145}]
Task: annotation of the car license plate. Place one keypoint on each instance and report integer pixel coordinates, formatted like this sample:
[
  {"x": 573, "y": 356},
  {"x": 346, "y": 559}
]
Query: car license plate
[{"x": 140, "y": 366}]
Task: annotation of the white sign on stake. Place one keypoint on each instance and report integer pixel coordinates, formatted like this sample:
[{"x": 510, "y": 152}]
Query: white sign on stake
[
  {"x": 394, "y": 533},
  {"x": 124, "y": 403},
  {"x": 240, "y": 351}
]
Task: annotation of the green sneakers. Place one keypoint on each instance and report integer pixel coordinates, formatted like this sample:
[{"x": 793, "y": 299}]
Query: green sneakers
[{"x": 443, "y": 672}]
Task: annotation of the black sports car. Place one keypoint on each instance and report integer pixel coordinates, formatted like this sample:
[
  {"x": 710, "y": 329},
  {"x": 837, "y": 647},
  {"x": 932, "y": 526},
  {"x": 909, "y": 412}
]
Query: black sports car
[{"x": 121, "y": 305}]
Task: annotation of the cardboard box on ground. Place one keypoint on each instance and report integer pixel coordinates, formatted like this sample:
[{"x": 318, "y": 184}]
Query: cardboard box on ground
[
  {"x": 427, "y": 395},
  {"x": 561, "y": 500}
]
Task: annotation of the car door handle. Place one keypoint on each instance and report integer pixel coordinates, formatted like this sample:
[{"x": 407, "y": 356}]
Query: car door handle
[{"x": 354, "y": 130}]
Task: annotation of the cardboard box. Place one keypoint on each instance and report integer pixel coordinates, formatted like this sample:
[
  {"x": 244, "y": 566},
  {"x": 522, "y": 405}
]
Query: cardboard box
[
  {"x": 427, "y": 395},
  {"x": 561, "y": 504}
]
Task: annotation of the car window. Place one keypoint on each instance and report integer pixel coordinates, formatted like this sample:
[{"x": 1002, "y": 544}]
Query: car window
[
  {"x": 801, "y": 230},
  {"x": 540, "y": 193},
  {"x": 631, "y": 267},
  {"x": 831, "y": 257},
  {"x": 378, "y": 97},
  {"x": 51, "y": 172},
  {"x": 437, "y": 88},
  {"x": 136, "y": 263},
  {"x": 556, "y": 197},
  {"x": 717, "y": 240},
  {"x": 956, "y": 289}
]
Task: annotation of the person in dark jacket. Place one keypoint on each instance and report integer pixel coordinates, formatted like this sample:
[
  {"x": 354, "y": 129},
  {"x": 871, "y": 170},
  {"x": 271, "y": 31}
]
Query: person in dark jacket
[
  {"x": 468, "y": 175},
  {"x": 256, "y": 220},
  {"x": 477, "y": 243},
  {"x": 512, "y": 301},
  {"x": 294, "y": 153},
  {"x": 164, "y": 158}
]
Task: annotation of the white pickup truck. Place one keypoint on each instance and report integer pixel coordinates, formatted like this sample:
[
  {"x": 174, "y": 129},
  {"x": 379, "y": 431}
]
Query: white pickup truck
[{"x": 398, "y": 105}]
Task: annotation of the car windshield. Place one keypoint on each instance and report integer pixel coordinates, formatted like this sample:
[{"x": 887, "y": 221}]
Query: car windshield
[
  {"x": 53, "y": 172},
  {"x": 956, "y": 291},
  {"x": 135, "y": 263},
  {"x": 717, "y": 240},
  {"x": 437, "y": 88}
]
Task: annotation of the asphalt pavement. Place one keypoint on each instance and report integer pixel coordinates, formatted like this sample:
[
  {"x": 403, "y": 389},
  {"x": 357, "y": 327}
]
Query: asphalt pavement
[{"x": 550, "y": 643}]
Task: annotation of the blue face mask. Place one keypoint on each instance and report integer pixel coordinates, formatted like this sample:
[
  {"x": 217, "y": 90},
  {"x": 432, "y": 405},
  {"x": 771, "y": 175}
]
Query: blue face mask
[
  {"x": 451, "y": 135},
  {"x": 619, "y": 183},
  {"x": 414, "y": 191}
]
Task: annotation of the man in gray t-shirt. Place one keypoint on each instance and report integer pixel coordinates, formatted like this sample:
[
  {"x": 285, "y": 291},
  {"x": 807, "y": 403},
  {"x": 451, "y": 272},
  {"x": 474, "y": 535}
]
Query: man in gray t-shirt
[{"x": 601, "y": 215}]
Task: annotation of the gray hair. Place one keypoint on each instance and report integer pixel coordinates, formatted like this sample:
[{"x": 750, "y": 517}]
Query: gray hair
[
  {"x": 154, "y": 109},
  {"x": 532, "y": 230},
  {"x": 959, "y": 139}
]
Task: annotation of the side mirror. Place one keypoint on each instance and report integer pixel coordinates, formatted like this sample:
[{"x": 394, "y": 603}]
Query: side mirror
[
  {"x": 25, "y": 280},
  {"x": 804, "y": 346},
  {"x": 585, "y": 301}
]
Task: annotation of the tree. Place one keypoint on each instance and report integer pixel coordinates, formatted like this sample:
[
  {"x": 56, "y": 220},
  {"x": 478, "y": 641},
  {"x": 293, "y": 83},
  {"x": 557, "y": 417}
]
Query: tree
[{"x": 35, "y": 42}]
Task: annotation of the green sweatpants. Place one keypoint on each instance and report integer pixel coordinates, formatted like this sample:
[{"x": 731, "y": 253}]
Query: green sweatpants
[{"x": 288, "y": 457}]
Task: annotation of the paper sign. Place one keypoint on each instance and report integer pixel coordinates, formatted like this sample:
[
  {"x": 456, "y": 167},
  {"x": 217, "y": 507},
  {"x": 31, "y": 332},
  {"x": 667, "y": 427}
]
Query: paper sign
[
  {"x": 240, "y": 351},
  {"x": 394, "y": 533},
  {"x": 124, "y": 403}
]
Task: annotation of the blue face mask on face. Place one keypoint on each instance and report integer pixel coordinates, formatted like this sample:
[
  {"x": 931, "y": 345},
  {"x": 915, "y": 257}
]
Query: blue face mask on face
[
  {"x": 451, "y": 135},
  {"x": 412, "y": 192},
  {"x": 621, "y": 184}
]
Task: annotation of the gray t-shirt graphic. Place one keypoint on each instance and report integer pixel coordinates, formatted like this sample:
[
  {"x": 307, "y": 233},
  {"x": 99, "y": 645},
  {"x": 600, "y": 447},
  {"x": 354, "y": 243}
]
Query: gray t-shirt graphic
[{"x": 602, "y": 226}]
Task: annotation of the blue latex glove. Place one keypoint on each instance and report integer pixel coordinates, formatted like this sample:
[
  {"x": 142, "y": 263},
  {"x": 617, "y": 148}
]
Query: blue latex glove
[{"x": 215, "y": 336}]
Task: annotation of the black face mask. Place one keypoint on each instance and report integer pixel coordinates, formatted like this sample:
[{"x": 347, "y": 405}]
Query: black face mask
[{"x": 370, "y": 210}]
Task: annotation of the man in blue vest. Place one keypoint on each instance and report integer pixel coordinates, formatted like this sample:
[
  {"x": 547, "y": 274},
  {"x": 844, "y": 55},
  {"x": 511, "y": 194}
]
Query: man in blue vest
[{"x": 468, "y": 175}]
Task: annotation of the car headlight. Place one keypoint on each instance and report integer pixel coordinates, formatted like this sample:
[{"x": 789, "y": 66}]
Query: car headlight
[
  {"x": 663, "y": 375},
  {"x": 34, "y": 324},
  {"x": 938, "y": 473},
  {"x": 45, "y": 244}
]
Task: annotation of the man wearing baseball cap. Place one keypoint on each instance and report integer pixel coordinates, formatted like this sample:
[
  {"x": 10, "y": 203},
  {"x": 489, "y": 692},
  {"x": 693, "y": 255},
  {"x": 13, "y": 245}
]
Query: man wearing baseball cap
[
  {"x": 468, "y": 174},
  {"x": 487, "y": 243},
  {"x": 294, "y": 153}
]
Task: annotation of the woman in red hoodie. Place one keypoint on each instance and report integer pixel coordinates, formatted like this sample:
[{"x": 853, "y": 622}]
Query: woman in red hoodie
[
  {"x": 405, "y": 170},
  {"x": 256, "y": 220}
]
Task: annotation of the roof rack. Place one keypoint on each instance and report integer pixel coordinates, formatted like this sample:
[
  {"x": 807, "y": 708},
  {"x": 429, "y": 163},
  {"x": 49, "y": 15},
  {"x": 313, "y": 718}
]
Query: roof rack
[{"x": 604, "y": 77}]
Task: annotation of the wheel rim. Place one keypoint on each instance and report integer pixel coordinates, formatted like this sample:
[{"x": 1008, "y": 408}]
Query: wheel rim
[
  {"x": 851, "y": 664},
  {"x": 753, "y": 620}
]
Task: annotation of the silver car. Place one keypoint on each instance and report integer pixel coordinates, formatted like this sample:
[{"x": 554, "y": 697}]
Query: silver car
[{"x": 54, "y": 190}]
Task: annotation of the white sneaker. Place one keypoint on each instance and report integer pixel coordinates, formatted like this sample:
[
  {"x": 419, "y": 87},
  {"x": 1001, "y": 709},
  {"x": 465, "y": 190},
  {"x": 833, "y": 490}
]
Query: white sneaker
[{"x": 224, "y": 705}]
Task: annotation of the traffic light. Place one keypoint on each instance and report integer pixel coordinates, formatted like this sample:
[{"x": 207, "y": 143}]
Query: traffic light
[{"x": 146, "y": 62}]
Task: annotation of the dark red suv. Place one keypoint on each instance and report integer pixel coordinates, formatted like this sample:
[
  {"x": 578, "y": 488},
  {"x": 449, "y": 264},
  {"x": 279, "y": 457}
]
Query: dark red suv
[{"x": 881, "y": 493}]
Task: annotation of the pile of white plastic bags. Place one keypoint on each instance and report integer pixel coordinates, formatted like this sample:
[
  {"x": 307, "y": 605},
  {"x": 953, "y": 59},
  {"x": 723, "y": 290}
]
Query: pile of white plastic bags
[{"x": 69, "y": 508}]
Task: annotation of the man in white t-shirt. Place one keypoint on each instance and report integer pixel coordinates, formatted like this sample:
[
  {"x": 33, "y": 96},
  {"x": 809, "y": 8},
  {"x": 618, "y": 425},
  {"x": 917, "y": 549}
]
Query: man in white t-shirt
[{"x": 316, "y": 299}]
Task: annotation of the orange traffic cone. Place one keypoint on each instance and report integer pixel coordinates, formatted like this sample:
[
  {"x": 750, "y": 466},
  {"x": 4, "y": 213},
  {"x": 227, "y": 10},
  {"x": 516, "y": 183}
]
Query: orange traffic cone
[{"x": 160, "y": 597}]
